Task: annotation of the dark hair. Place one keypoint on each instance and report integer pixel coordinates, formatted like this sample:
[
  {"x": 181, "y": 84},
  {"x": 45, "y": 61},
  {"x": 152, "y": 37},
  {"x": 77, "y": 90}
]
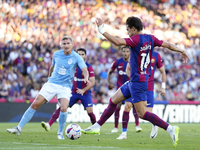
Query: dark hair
[
  {"x": 82, "y": 49},
  {"x": 134, "y": 22},
  {"x": 125, "y": 47}
]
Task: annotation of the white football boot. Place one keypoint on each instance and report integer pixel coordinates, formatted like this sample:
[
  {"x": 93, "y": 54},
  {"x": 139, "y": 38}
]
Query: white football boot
[
  {"x": 138, "y": 128},
  {"x": 15, "y": 130},
  {"x": 115, "y": 130},
  {"x": 154, "y": 132},
  {"x": 46, "y": 126}
]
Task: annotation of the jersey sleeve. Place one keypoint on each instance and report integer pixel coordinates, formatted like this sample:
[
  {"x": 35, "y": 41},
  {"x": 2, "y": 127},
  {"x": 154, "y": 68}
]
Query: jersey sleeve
[
  {"x": 91, "y": 71},
  {"x": 132, "y": 41},
  {"x": 156, "y": 41},
  {"x": 159, "y": 62},
  {"x": 81, "y": 62},
  {"x": 114, "y": 65}
]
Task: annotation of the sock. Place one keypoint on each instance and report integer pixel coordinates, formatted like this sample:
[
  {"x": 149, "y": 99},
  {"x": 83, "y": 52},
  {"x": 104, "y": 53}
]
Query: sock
[
  {"x": 54, "y": 116},
  {"x": 169, "y": 129},
  {"x": 96, "y": 125},
  {"x": 26, "y": 117},
  {"x": 62, "y": 121},
  {"x": 136, "y": 117},
  {"x": 125, "y": 120},
  {"x": 117, "y": 117},
  {"x": 107, "y": 113},
  {"x": 124, "y": 133},
  {"x": 154, "y": 119},
  {"x": 92, "y": 117}
]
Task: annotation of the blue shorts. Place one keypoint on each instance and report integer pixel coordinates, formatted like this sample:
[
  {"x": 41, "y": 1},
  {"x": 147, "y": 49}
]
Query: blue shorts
[
  {"x": 150, "y": 99},
  {"x": 134, "y": 91},
  {"x": 86, "y": 100}
]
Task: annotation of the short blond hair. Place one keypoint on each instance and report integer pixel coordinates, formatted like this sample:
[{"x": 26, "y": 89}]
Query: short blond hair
[{"x": 66, "y": 37}]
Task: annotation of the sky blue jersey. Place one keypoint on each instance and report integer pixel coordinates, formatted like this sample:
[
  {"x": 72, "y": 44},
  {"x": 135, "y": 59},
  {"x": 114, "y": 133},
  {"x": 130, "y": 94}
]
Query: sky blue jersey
[{"x": 64, "y": 68}]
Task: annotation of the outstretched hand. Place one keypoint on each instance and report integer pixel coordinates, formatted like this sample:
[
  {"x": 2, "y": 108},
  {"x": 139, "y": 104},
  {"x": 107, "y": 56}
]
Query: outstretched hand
[
  {"x": 185, "y": 57},
  {"x": 99, "y": 22},
  {"x": 100, "y": 25}
]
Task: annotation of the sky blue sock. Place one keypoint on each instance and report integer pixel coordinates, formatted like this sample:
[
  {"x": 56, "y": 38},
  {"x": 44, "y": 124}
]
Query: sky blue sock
[
  {"x": 26, "y": 117},
  {"x": 124, "y": 130},
  {"x": 62, "y": 122}
]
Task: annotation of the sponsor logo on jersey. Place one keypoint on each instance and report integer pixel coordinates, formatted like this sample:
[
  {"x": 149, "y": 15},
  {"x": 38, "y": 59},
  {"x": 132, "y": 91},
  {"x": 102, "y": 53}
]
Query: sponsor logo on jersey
[
  {"x": 77, "y": 79},
  {"x": 62, "y": 71},
  {"x": 145, "y": 47},
  {"x": 122, "y": 72}
]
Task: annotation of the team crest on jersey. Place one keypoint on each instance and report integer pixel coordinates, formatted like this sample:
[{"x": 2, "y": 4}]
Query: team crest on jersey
[
  {"x": 69, "y": 61},
  {"x": 152, "y": 60}
]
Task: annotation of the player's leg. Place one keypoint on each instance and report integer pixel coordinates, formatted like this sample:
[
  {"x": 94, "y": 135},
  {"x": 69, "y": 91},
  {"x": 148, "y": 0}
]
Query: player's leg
[
  {"x": 91, "y": 114},
  {"x": 116, "y": 116},
  {"x": 150, "y": 104},
  {"x": 63, "y": 98},
  {"x": 86, "y": 100},
  {"x": 118, "y": 96},
  {"x": 137, "y": 127},
  {"x": 54, "y": 117},
  {"x": 138, "y": 93},
  {"x": 40, "y": 99},
  {"x": 125, "y": 119}
]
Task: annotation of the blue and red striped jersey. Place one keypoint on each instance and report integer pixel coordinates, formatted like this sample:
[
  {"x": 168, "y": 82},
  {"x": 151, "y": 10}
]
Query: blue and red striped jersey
[
  {"x": 156, "y": 61},
  {"x": 120, "y": 64},
  {"x": 141, "y": 54},
  {"x": 79, "y": 79}
]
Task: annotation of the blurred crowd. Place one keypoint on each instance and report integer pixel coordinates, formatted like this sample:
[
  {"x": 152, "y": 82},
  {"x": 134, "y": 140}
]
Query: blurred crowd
[{"x": 31, "y": 31}]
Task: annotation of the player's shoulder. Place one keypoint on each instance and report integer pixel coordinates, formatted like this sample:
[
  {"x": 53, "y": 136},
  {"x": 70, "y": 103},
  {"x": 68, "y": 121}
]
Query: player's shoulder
[
  {"x": 75, "y": 54},
  {"x": 88, "y": 64},
  {"x": 58, "y": 51},
  {"x": 155, "y": 53},
  {"x": 120, "y": 59}
]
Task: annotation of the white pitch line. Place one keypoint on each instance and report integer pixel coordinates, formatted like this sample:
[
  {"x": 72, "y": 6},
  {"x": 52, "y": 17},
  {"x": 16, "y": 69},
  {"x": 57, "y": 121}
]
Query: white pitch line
[{"x": 64, "y": 145}]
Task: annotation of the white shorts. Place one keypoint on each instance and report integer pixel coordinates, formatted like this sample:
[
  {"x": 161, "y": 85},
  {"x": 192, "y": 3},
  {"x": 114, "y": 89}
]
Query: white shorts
[{"x": 49, "y": 90}]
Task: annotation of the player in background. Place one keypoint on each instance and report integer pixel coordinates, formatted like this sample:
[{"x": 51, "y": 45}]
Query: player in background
[
  {"x": 80, "y": 91},
  {"x": 121, "y": 64},
  {"x": 142, "y": 46},
  {"x": 155, "y": 61},
  {"x": 61, "y": 73}
]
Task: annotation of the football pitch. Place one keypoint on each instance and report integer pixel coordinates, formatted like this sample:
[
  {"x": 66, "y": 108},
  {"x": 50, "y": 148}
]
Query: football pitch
[{"x": 34, "y": 137}]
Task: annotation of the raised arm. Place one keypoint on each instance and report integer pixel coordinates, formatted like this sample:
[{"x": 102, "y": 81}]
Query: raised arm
[
  {"x": 113, "y": 39},
  {"x": 174, "y": 48}
]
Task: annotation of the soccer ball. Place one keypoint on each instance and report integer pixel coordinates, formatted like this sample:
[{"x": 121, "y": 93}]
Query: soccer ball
[{"x": 73, "y": 131}]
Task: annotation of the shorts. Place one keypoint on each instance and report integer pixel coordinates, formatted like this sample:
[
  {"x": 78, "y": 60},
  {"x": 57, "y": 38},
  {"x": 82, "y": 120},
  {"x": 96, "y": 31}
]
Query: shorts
[
  {"x": 134, "y": 91},
  {"x": 49, "y": 90},
  {"x": 150, "y": 99},
  {"x": 86, "y": 100}
]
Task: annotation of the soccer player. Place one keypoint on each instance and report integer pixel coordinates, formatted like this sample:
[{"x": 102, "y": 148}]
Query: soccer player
[
  {"x": 80, "y": 91},
  {"x": 61, "y": 73},
  {"x": 155, "y": 61},
  {"x": 121, "y": 64},
  {"x": 142, "y": 46}
]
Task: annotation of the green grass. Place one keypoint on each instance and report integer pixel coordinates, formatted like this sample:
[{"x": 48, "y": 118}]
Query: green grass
[{"x": 34, "y": 137}]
